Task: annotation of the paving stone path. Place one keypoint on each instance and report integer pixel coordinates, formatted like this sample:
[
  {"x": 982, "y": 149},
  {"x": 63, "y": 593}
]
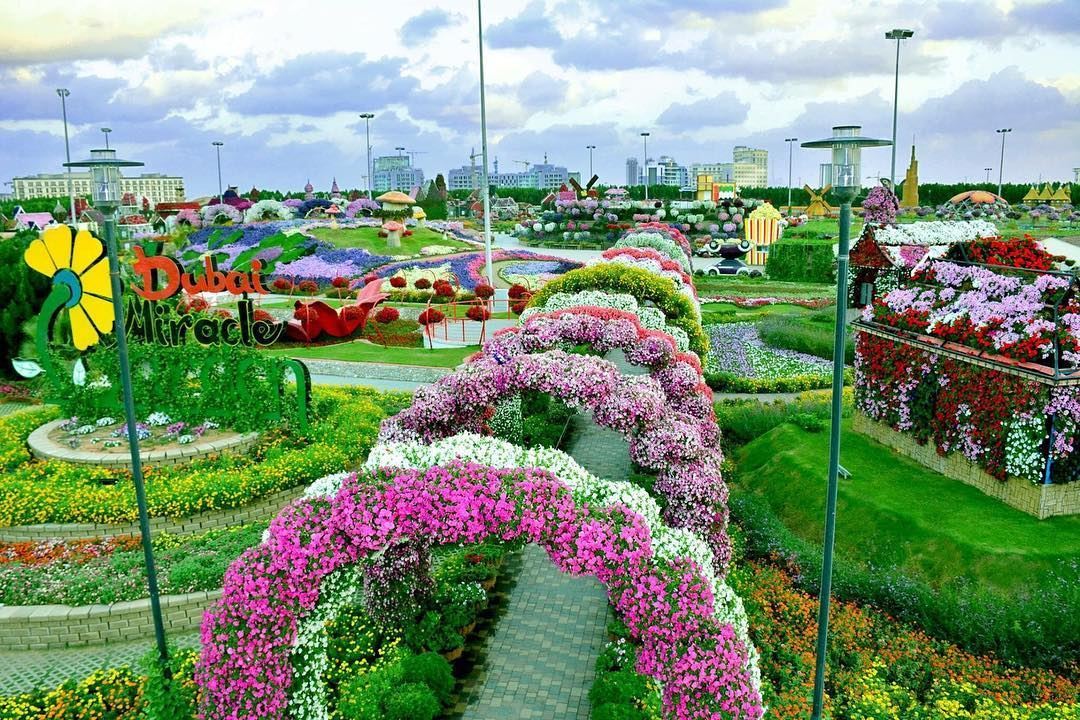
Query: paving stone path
[{"x": 535, "y": 658}]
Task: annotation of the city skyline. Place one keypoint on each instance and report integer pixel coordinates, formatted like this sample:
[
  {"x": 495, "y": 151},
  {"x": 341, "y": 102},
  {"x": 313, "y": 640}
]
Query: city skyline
[{"x": 285, "y": 97}]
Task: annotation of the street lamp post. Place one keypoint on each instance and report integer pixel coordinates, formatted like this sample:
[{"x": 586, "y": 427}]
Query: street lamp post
[
  {"x": 63, "y": 93},
  {"x": 790, "y": 141},
  {"x": 105, "y": 170},
  {"x": 590, "y": 148},
  {"x": 846, "y": 145},
  {"x": 484, "y": 146},
  {"x": 988, "y": 169},
  {"x": 367, "y": 129},
  {"x": 399, "y": 149},
  {"x": 1001, "y": 163},
  {"x": 645, "y": 163},
  {"x": 896, "y": 34},
  {"x": 105, "y": 132},
  {"x": 217, "y": 146}
]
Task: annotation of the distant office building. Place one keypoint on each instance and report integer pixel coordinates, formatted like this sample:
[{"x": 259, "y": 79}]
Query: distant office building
[
  {"x": 542, "y": 176},
  {"x": 156, "y": 187},
  {"x": 1076, "y": 175},
  {"x": 665, "y": 171},
  {"x": 751, "y": 166},
  {"x": 632, "y": 172},
  {"x": 395, "y": 172}
]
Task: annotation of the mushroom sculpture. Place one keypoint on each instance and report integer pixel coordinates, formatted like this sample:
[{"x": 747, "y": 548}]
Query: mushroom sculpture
[
  {"x": 395, "y": 201},
  {"x": 393, "y": 229},
  {"x": 419, "y": 215}
]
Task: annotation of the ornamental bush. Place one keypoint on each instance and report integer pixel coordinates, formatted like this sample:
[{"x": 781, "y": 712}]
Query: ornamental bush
[
  {"x": 422, "y": 283},
  {"x": 398, "y": 281},
  {"x": 484, "y": 291},
  {"x": 800, "y": 260},
  {"x": 387, "y": 315},
  {"x": 479, "y": 313},
  {"x": 431, "y": 316},
  {"x": 431, "y": 670},
  {"x": 308, "y": 286},
  {"x": 23, "y": 293},
  {"x": 411, "y": 701},
  {"x": 643, "y": 285}
]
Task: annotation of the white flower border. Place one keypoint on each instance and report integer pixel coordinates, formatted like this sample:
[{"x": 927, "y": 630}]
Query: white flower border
[{"x": 942, "y": 232}]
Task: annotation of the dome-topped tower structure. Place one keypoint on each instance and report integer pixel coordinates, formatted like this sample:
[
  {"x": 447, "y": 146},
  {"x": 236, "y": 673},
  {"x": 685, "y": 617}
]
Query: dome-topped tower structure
[
  {"x": 334, "y": 191},
  {"x": 309, "y": 191}
]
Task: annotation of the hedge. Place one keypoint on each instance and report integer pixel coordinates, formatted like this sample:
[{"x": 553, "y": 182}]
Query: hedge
[{"x": 802, "y": 260}]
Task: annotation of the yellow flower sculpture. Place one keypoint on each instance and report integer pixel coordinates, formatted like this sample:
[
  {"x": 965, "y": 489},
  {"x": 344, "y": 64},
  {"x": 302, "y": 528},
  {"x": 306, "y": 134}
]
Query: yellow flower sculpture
[{"x": 80, "y": 266}]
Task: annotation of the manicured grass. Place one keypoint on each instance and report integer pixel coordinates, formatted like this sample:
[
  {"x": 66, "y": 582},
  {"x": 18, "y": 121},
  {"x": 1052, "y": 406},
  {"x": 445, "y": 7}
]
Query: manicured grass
[
  {"x": 368, "y": 239},
  {"x": 894, "y": 512},
  {"x": 760, "y": 287},
  {"x": 810, "y": 332},
  {"x": 729, "y": 312},
  {"x": 362, "y": 351}
]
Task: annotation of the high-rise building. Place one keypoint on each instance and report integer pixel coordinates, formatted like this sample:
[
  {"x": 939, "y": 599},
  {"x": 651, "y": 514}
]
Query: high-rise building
[
  {"x": 1076, "y": 175},
  {"x": 754, "y": 170},
  {"x": 632, "y": 171},
  {"x": 395, "y": 172},
  {"x": 155, "y": 187},
  {"x": 665, "y": 171}
]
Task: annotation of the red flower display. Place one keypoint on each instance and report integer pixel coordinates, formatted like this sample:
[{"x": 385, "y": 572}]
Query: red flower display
[
  {"x": 387, "y": 315},
  {"x": 263, "y": 315},
  {"x": 422, "y": 284},
  {"x": 479, "y": 313},
  {"x": 484, "y": 291},
  {"x": 340, "y": 282},
  {"x": 518, "y": 292},
  {"x": 431, "y": 316},
  {"x": 308, "y": 286},
  {"x": 398, "y": 282},
  {"x": 283, "y": 284},
  {"x": 443, "y": 288}
]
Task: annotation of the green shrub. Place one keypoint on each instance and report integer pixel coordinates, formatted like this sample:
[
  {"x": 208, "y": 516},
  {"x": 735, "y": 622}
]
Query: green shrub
[
  {"x": 724, "y": 381},
  {"x": 432, "y": 670},
  {"x": 411, "y": 701},
  {"x": 802, "y": 260},
  {"x": 742, "y": 421},
  {"x": 173, "y": 697},
  {"x": 614, "y": 711},
  {"x": 23, "y": 291},
  {"x": 362, "y": 697}
]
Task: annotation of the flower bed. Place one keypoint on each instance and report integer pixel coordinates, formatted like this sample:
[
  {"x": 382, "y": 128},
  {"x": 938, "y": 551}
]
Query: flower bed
[
  {"x": 1012, "y": 315},
  {"x": 31, "y": 491},
  {"x": 738, "y": 352},
  {"x": 667, "y": 607},
  {"x": 998, "y": 420},
  {"x": 649, "y": 317}
]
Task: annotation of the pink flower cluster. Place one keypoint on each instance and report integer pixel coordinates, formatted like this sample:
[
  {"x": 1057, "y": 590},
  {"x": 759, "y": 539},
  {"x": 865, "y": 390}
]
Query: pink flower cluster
[
  {"x": 666, "y": 264},
  {"x": 248, "y": 634},
  {"x": 476, "y": 265},
  {"x": 681, "y": 447}
]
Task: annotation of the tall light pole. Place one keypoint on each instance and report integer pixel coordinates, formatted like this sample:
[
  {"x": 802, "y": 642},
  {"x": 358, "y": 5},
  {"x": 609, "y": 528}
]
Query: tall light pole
[
  {"x": 484, "y": 146},
  {"x": 399, "y": 149},
  {"x": 988, "y": 174},
  {"x": 645, "y": 164},
  {"x": 590, "y": 148},
  {"x": 63, "y": 93},
  {"x": 105, "y": 169},
  {"x": 790, "y": 145},
  {"x": 105, "y": 132},
  {"x": 367, "y": 125},
  {"x": 846, "y": 145},
  {"x": 896, "y": 34},
  {"x": 1001, "y": 163},
  {"x": 217, "y": 146}
]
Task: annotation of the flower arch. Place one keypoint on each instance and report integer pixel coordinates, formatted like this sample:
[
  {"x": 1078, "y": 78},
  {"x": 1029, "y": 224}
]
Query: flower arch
[
  {"x": 681, "y": 448},
  {"x": 645, "y": 286},
  {"x": 679, "y": 374},
  {"x": 668, "y": 606}
]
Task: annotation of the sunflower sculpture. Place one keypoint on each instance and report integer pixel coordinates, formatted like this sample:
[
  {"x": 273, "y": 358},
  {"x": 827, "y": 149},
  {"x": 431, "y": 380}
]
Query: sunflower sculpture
[{"x": 79, "y": 269}]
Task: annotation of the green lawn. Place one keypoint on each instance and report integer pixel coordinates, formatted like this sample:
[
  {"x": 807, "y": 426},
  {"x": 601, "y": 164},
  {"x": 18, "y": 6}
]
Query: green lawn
[
  {"x": 363, "y": 351},
  {"x": 368, "y": 239},
  {"x": 729, "y": 312},
  {"x": 760, "y": 287},
  {"x": 893, "y": 511}
]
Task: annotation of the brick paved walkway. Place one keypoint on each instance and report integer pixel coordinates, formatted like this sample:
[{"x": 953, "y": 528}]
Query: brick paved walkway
[{"x": 536, "y": 660}]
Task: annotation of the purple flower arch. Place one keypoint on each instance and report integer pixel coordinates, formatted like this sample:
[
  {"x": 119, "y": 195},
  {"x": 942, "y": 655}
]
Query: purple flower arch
[
  {"x": 248, "y": 634},
  {"x": 681, "y": 448},
  {"x": 679, "y": 374}
]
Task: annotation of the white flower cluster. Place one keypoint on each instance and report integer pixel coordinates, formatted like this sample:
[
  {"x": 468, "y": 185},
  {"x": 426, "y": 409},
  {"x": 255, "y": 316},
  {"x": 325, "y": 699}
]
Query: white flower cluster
[
  {"x": 267, "y": 210},
  {"x": 157, "y": 419},
  {"x": 943, "y": 232},
  {"x": 657, "y": 242},
  {"x": 1023, "y": 442}
]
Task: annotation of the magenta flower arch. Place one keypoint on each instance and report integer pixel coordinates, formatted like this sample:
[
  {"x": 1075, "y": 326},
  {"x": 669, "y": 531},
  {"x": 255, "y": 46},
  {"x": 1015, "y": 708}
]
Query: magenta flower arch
[
  {"x": 248, "y": 634},
  {"x": 681, "y": 448}
]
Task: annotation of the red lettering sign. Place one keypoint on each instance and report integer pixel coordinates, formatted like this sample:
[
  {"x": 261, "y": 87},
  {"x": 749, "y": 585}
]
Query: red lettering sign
[{"x": 147, "y": 268}]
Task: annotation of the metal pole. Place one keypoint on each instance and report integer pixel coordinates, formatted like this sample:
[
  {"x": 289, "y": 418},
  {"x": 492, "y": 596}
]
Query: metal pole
[
  {"x": 645, "y": 164},
  {"x": 63, "y": 93},
  {"x": 484, "y": 148},
  {"x": 367, "y": 131},
  {"x": 1001, "y": 162},
  {"x": 133, "y": 435},
  {"x": 845, "y": 195},
  {"x": 790, "y": 151},
  {"x": 221, "y": 195},
  {"x": 896, "y": 99}
]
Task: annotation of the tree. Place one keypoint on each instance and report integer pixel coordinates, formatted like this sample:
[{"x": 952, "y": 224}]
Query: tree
[
  {"x": 440, "y": 185},
  {"x": 23, "y": 291}
]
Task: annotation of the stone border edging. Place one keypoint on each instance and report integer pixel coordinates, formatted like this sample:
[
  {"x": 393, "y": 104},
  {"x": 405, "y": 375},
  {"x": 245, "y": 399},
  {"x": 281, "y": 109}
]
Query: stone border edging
[
  {"x": 56, "y": 627},
  {"x": 260, "y": 509},
  {"x": 1040, "y": 501},
  {"x": 45, "y": 448}
]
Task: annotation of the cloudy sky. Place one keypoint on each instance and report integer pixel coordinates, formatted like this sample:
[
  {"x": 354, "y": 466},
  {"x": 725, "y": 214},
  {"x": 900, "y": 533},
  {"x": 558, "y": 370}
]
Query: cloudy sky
[{"x": 282, "y": 83}]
